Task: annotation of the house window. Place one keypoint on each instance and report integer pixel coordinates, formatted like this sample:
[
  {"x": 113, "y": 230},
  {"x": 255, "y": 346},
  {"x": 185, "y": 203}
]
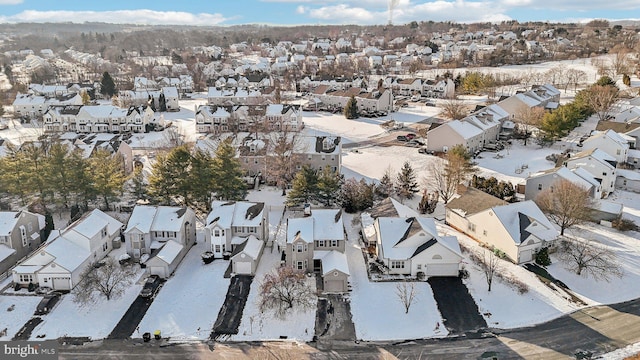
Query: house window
[
  {"x": 319, "y": 243},
  {"x": 618, "y": 152},
  {"x": 334, "y": 243},
  {"x": 105, "y": 246},
  {"x": 217, "y": 248},
  {"x": 104, "y": 232},
  {"x": 299, "y": 247},
  {"x": 419, "y": 267},
  {"x": 299, "y": 265},
  {"x": 26, "y": 278},
  {"x": 604, "y": 174},
  {"x": 484, "y": 232},
  {"x": 30, "y": 227},
  {"x": 252, "y": 229},
  {"x": 472, "y": 227},
  {"x": 397, "y": 264},
  {"x": 23, "y": 234},
  {"x": 216, "y": 232},
  {"x": 539, "y": 186}
]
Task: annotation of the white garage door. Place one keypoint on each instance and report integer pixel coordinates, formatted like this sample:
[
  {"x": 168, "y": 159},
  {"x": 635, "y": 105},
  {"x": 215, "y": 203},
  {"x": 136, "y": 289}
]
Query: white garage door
[
  {"x": 243, "y": 267},
  {"x": 526, "y": 255},
  {"x": 334, "y": 286},
  {"x": 61, "y": 283},
  {"x": 442, "y": 270},
  {"x": 157, "y": 270}
]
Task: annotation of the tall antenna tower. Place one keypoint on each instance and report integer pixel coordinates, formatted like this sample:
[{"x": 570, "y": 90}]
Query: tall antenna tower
[{"x": 392, "y": 5}]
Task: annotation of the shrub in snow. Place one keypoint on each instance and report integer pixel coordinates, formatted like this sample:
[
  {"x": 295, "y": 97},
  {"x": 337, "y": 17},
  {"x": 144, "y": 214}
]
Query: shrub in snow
[{"x": 542, "y": 257}]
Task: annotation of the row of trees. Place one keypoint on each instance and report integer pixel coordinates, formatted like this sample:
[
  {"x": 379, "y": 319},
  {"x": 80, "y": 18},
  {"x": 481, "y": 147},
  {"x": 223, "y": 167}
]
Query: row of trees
[
  {"x": 190, "y": 177},
  {"x": 596, "y": 99},
  {"x": 57, "y": 175}
]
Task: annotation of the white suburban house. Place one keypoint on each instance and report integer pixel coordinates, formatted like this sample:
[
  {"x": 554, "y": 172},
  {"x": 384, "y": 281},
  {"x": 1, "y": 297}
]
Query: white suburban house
[
  {"x": 455, "y": 132},
  {"x": 412, "y": 246},
  {"x": 233, "y": 228},
  {"x": 21, "y": 232},
  {"x": 599, "y": 164},
  {"x": 60, "y": 263},
  {"x": 611, "y": 143},
  {"x": 316, "y": 243},
  {"x": 518, "y": 229},
  {"x": 164, "y": 233},
  {"x": 544, "y": 180}
]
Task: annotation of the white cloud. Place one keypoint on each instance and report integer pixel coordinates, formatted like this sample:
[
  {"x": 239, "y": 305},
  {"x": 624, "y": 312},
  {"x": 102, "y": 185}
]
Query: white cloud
[
  {"x": 142, "y": 17},
  {"x": 301, "y": 9},
  {"x": 564, "y": 5},
  {"x": 11, "y": 2}
]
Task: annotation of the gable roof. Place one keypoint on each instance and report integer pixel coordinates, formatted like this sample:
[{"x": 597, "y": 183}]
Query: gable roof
[
  {"x": 404, "y": 238},
  {"x": 524, "y": 218},
  {"x": 332, "y": 260},
  {"x": 238, "y": 213},
  {"x": 323, "y": 224},
  {"x": 473, "y": 201},
  {"x": 169, "y": 251},
  {"x": 251, "y": 246},
  {"x": 8, "y": 221}
]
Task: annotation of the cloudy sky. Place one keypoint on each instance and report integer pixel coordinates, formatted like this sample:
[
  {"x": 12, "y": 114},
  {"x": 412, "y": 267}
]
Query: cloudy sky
[{"x": 293, "y": 12}]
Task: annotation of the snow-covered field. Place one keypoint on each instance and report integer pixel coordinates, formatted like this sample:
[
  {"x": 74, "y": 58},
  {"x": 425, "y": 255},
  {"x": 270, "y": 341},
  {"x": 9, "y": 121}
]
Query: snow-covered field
[
  {"x": 187, "y": 305},
  {"x": 377, "y": 311},
  {"x": 22, "y": 308}
]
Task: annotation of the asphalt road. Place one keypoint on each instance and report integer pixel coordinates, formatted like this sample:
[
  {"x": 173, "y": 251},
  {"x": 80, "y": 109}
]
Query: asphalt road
[{"x": 596, "y": 330}]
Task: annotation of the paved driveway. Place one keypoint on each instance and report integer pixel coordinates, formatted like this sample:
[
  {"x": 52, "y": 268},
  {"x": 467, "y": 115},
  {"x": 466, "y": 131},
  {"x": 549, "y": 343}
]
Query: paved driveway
[
  {"x": 230, "y": 314},
  {"x": 333, "y": 319},
  {"x": 457, "y": 307}
]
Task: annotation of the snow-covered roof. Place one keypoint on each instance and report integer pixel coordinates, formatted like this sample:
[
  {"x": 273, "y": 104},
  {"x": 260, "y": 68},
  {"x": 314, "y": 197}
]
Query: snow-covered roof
[
  {"x": 170, "y": 91},
  {"x": 332, "y": 260},
  {"x": 169, "y": 251},
  {"x": 523, "y": 218},
  {"x": 8, "y": 220},
  {"x": 609, "y": 207},
  {"x": 628, "y": 174},
  {"x": 91, "y": 224},
  {"x": 156, "y": 218},
  {"x": 252, "y": 247},
  {"x": 566, "y": 174},
  {"x": 323, "y": 224},
  {"x": 597, "y": 154},
  {"x": 67, "y": 254},
  {"x": 5, "y": 252},
  {"x": 235, "y": 213},
  {"x": 464, "y": 129},
  {"x": 633, "y": 153}
]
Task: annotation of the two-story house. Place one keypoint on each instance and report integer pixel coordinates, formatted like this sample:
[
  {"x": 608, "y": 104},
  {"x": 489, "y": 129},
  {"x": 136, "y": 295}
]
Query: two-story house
[
  {"x": 316, "y": 243},
  {"x": 21, "y": 232},
  {"x": 165, "y": 233},
  {"x": 236, "y": 225},
  {"x": 599, "y": 164},
  {"x": 60, "y": 263}
]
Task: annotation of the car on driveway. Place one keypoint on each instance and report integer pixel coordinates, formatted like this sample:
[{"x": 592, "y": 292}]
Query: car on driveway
[
  {"x": 410, "y": 136},
  {"x": 402, "y": 138},
  {"x": 150, "y": 286},
  {"x": 47, "y": 303},
  {"x": 425, "y": 151}
]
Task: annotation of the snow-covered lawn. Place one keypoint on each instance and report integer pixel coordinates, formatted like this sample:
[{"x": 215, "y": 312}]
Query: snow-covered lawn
[
  {"x": 23, "y": 308},
  {"x": 188, "y": 304},
  {"x": 502, "y": 307},
  {"x": 299, "y": 324},
  {"x": 377, "y": 312},
  {"x": 631, "y": 202},
  {"x": 627, "y": 254},
  {"x": 94, "y": 320}
]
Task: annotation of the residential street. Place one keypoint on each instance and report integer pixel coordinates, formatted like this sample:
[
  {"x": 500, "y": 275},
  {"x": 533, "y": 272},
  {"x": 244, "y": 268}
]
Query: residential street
[{"x": 597, "y": 330}]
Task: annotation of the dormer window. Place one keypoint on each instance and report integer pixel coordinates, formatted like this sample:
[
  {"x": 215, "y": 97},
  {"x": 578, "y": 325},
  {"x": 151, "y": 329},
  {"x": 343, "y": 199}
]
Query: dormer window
[{"x": 326, "y": 144}]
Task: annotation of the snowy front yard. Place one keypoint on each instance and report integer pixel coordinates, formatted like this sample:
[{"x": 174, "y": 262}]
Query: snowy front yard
[
  {"x": 377, "y": 311},
  {"x": 299, "y": 324},
  {"x": 22, "y": 308},
  {"x": 187, "y": 305},
  {"x": 94, "y": 320}
]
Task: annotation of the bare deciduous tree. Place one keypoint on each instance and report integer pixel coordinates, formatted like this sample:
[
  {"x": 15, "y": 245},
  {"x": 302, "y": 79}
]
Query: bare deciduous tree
[
  {"x": 105, "y": 278},
  {"x": 529, "y": 117},
  {"x": 601, "y": 98},
  {"x": 281, "y": 161},
  {"x": 439, "y": 180},
  {"x": 489, "y": 266},
  {"x": 407, "y": 294},
  {"x": 454, "y": 109},
  {"x": 566, "y": 204},
  {"x": 283, "y": 289},
  {"x": 585, "y": 257}
]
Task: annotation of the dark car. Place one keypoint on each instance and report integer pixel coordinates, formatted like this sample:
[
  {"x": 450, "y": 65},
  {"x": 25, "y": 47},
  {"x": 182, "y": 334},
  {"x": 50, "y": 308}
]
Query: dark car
[
  {"x": 402, "y": 138},
  {"x": 47, "y": 303},
  {"x": 150, "y": 286},
  {"x": 425, "y": 151}
]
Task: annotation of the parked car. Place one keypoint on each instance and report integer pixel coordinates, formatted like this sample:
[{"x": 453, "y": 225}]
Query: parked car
[
  {"x": 410, "y": 136},
  {"x": 150, "y": 286},
  {"x": 402, "y": 138},
  {"x": 430, "y": 103},
  {"x": 425, "y": 151},
  {"x": 47, "y": 303}
]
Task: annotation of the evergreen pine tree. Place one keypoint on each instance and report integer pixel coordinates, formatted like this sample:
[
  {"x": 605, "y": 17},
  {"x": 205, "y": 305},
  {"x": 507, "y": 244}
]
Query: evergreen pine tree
[
  {"x": 385, "y": 187},
  {"x": 107, "y": 86},
  {"x": 406, "y": 185},
  {"x": 138, "y": 184},
  {"x": 351, "y": 109},
  {"x": 227, "y": 181},
  {"x": 328, "y": 188},
  {"x": 107, "y": 176},
  {"x": 304, "y": 186}
]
